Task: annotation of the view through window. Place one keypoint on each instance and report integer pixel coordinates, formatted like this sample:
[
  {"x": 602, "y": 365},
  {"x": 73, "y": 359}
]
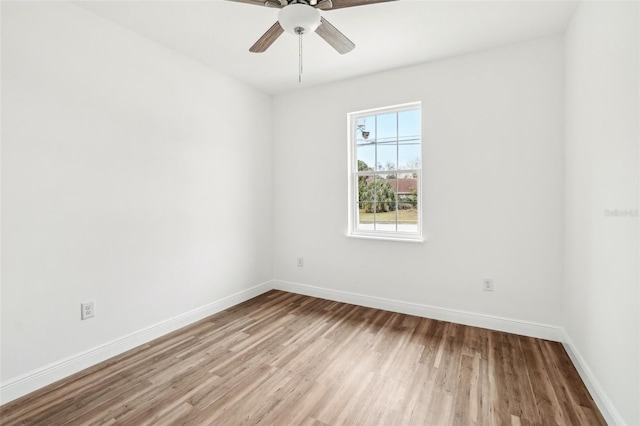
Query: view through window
[{"x": 385, "y": 172}]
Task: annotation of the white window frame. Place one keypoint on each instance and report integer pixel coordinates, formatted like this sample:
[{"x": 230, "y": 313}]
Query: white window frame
[{"x": 353, "y": 173}]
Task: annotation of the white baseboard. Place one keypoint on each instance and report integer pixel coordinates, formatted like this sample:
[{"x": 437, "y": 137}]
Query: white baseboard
[
  {"x": 608, "y": 410},
  {"x": 51, "y": 373},
  {"x": 508, "y": 325}
]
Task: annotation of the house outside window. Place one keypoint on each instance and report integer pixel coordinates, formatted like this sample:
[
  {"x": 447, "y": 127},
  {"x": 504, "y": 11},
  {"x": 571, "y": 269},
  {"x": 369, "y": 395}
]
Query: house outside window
[{"x": 385, "y": 165}]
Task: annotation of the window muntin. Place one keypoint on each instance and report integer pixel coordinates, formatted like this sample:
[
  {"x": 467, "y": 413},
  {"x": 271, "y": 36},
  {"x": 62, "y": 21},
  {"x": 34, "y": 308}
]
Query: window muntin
[{"x": 385, "y": 173}]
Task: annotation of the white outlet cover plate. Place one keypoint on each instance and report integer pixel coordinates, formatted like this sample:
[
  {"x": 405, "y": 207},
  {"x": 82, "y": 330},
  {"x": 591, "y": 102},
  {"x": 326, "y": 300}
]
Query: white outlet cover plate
[
  {"x": 487, "y": 284},
  {"x": 88, "y": 310}
]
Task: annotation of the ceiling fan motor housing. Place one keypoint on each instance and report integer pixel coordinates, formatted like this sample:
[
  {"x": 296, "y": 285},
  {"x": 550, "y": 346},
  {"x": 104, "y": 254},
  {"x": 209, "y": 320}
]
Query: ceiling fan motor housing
[{"x": 298, "y": 16}]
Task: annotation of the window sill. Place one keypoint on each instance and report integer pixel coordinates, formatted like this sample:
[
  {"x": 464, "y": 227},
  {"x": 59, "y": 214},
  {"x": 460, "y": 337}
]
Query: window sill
[{"x": 387, "y": 238}]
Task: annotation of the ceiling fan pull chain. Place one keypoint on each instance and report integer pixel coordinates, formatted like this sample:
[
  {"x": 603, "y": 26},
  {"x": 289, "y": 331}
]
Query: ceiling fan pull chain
[{"x": 300, "y": 57}]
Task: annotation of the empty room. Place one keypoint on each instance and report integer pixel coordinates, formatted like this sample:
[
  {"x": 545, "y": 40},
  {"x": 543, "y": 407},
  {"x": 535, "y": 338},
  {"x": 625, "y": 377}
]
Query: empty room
[{"x": 323, "y": 212}]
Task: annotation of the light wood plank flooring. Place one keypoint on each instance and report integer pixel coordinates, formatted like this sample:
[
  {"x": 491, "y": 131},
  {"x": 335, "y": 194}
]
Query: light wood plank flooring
[{"x": 286, "y": 359}]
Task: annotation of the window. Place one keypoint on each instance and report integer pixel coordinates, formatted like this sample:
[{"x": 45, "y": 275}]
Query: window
[{"x": 384, "y": 173}]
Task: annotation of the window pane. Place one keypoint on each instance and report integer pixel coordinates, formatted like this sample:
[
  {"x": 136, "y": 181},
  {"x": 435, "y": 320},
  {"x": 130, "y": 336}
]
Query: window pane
[
  {"x": 409, "y": 139},
  {"x": 409, "y": 155},
  {"x": 366, "y": 129},
  {"x": 365, "y": 217},
  {"x": 387, "y": 156},
  {"x": 408, "y": 203},
  {"x": 366, "y": 156},
  {"x": 369, "y": 192},
  {"x": 385, "y": 205},
  {"x": 387, "y": 127},
  {"x": 408, "y": 124}
]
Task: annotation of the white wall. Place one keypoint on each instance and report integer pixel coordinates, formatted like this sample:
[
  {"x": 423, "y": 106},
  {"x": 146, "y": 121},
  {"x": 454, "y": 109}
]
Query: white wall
[
  {"x": 122, "y": 183},
  {"x": 493, "y": 185},
  {"x": 601, "y": 294},
  {"x": 130, "y": 176}
]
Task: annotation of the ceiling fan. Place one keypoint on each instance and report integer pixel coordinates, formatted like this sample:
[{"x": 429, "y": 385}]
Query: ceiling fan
[{"x": 302, "y": 16}]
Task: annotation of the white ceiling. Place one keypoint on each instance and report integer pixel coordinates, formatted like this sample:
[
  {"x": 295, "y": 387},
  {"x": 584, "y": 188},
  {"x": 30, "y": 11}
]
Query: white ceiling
[{"x": 219, "y": 33}]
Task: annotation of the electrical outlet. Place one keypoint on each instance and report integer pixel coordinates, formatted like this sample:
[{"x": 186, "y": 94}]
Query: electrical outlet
[
  {"x": 487, "y": 284},
  {"x": 300, "y": 262},
  {"x": 88, "y": 310}
]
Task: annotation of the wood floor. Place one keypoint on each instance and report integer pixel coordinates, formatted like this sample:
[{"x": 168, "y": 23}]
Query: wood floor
[{"x": 286, "y": 359}]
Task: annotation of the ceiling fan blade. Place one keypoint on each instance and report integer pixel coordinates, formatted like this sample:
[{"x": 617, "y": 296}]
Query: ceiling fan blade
[
  {"x": 273, "y": 3},
  {"x": 324, "y": 5},
  {"x": 267, "y": 39},
  {"x": 268, "y": 3},
  {"x": 334, "y": 37},
  {"x": 339, "y": 4}
]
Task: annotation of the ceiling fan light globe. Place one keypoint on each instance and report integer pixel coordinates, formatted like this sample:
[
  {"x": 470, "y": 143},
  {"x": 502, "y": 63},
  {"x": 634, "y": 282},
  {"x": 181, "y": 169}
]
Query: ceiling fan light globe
[{"x": 299, "y": 16}]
